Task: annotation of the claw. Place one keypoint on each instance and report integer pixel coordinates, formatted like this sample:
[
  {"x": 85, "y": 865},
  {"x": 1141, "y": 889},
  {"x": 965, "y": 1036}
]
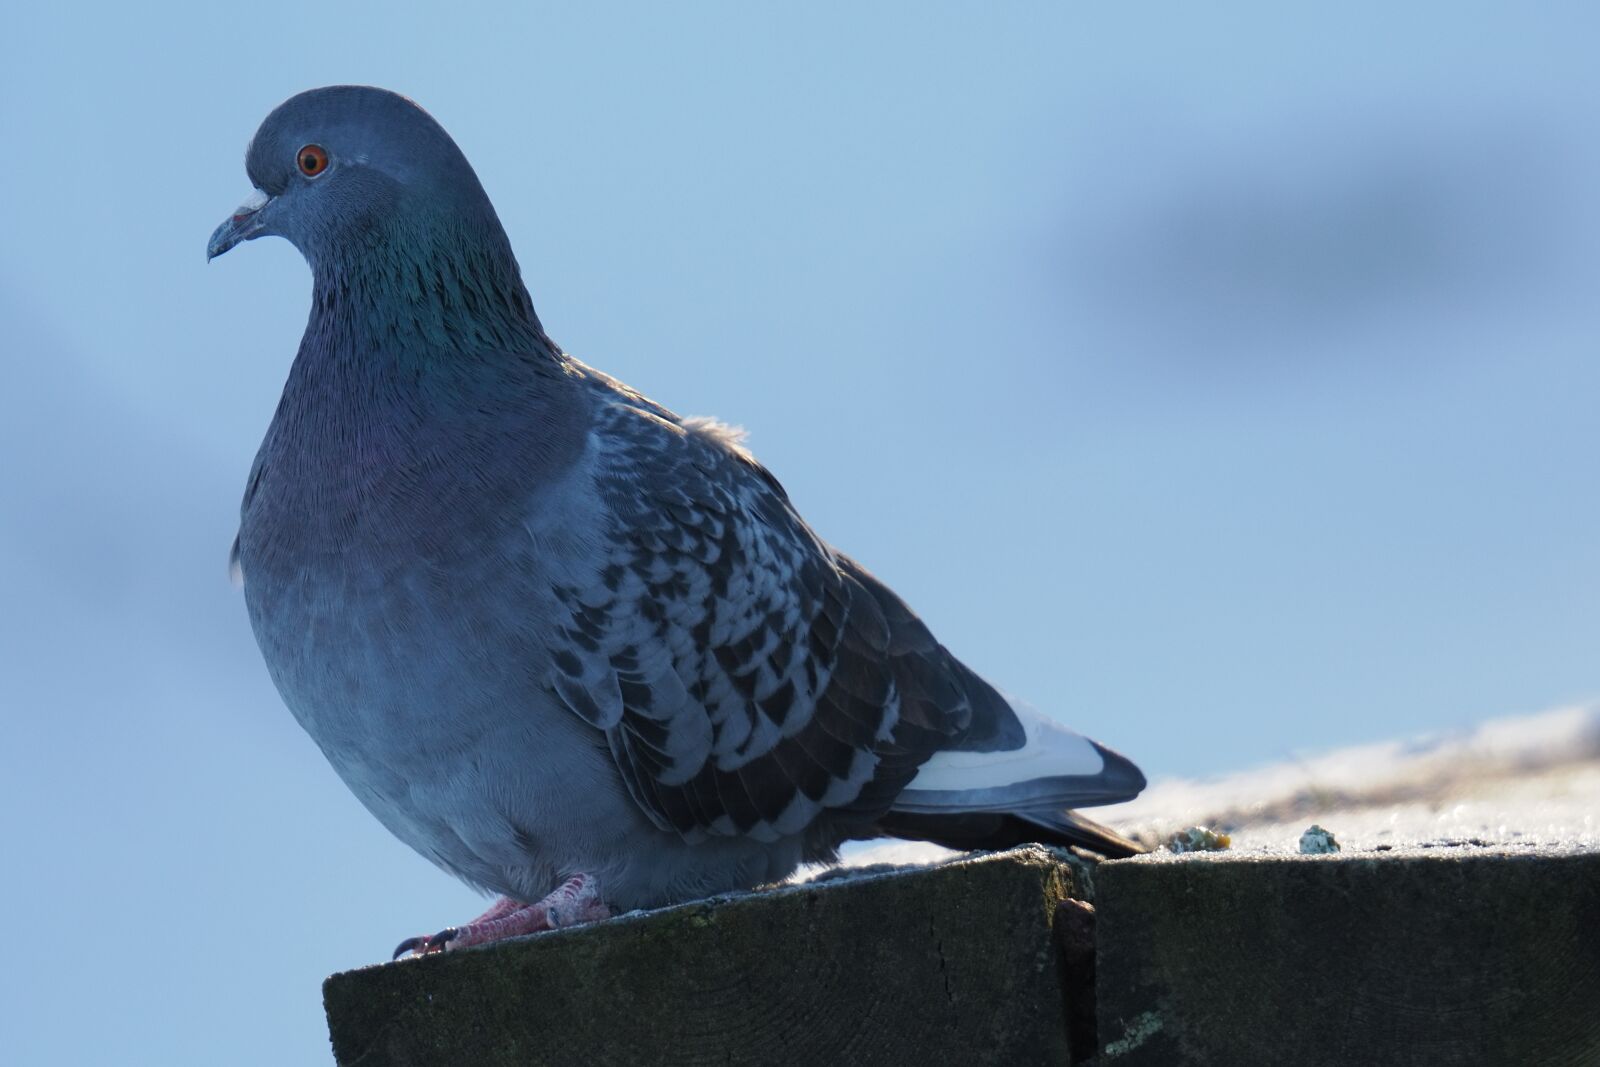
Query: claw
[
  {"x": 423, "y": 946},
  {"x": 419, "y": 945}
]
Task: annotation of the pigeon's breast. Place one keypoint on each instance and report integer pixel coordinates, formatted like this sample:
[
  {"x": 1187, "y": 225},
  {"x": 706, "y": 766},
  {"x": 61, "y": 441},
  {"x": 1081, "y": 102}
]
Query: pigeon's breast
[
  {"x": 375, "y": 647},
  {"x": 418, "y": 661},
  {"x": 401, "y": 613}
]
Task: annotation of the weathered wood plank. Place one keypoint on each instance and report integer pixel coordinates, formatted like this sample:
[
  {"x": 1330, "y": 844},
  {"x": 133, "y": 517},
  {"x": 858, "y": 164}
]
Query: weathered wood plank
[
  {"x": 1433, "y": 956},
  {"x": 950, "y": 964}
]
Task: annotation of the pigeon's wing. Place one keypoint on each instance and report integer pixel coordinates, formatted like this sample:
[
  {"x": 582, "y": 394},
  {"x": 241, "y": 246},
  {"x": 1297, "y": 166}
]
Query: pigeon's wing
[{"x": 747, "y": 677}]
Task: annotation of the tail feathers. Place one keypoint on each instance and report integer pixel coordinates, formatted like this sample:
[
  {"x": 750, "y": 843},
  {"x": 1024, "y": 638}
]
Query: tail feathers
[
  {"x": 1071, "y": 828},
  {"x": 1057, "y": 769},
  {"x": 1020, "y": 792},
  {"x": 996, "y": 830}
]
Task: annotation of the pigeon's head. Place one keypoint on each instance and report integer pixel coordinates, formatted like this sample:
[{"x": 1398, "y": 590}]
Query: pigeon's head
[{"x": 333, "y": 167}]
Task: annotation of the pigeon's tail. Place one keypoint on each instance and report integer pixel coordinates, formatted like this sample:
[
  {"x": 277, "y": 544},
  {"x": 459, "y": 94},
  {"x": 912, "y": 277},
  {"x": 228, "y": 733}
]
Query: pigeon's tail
[
  {"x": 991, "y": 830},
  {"x": 1010, "y": 780},
  {"x": 1006, "y": 776}
]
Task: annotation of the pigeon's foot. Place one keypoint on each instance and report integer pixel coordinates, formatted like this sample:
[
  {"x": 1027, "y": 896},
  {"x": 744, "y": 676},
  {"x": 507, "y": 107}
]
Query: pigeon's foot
[
  {"x": 575, "y": 901},
  {"x": 427, "y": 943}
]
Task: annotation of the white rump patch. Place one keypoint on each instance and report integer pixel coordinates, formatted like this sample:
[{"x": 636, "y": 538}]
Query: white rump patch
[{"x": 1050, "y": 750}]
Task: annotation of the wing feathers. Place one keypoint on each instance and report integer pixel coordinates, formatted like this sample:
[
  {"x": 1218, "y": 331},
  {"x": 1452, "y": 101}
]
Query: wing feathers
[{"x": 746, "y": 676}]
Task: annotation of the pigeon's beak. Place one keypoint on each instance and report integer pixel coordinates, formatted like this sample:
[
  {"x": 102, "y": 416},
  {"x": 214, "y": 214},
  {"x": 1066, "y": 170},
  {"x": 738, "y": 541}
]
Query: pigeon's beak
[{"x": 245, "y": 223}]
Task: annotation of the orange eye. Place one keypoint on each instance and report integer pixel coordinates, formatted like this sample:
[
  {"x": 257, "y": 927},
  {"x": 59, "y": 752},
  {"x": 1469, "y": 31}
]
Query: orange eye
[{"x": 313, "y": 160}]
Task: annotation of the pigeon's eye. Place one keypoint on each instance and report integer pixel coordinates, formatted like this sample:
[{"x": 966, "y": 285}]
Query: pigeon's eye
[{"x": 313, "y": 160}]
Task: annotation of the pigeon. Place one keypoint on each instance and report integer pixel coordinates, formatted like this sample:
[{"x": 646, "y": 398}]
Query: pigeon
[{"x": 577, "y": 650}]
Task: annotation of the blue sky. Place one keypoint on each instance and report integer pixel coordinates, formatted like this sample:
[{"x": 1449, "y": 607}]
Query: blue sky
[{"x": 1220, "y": 380}]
